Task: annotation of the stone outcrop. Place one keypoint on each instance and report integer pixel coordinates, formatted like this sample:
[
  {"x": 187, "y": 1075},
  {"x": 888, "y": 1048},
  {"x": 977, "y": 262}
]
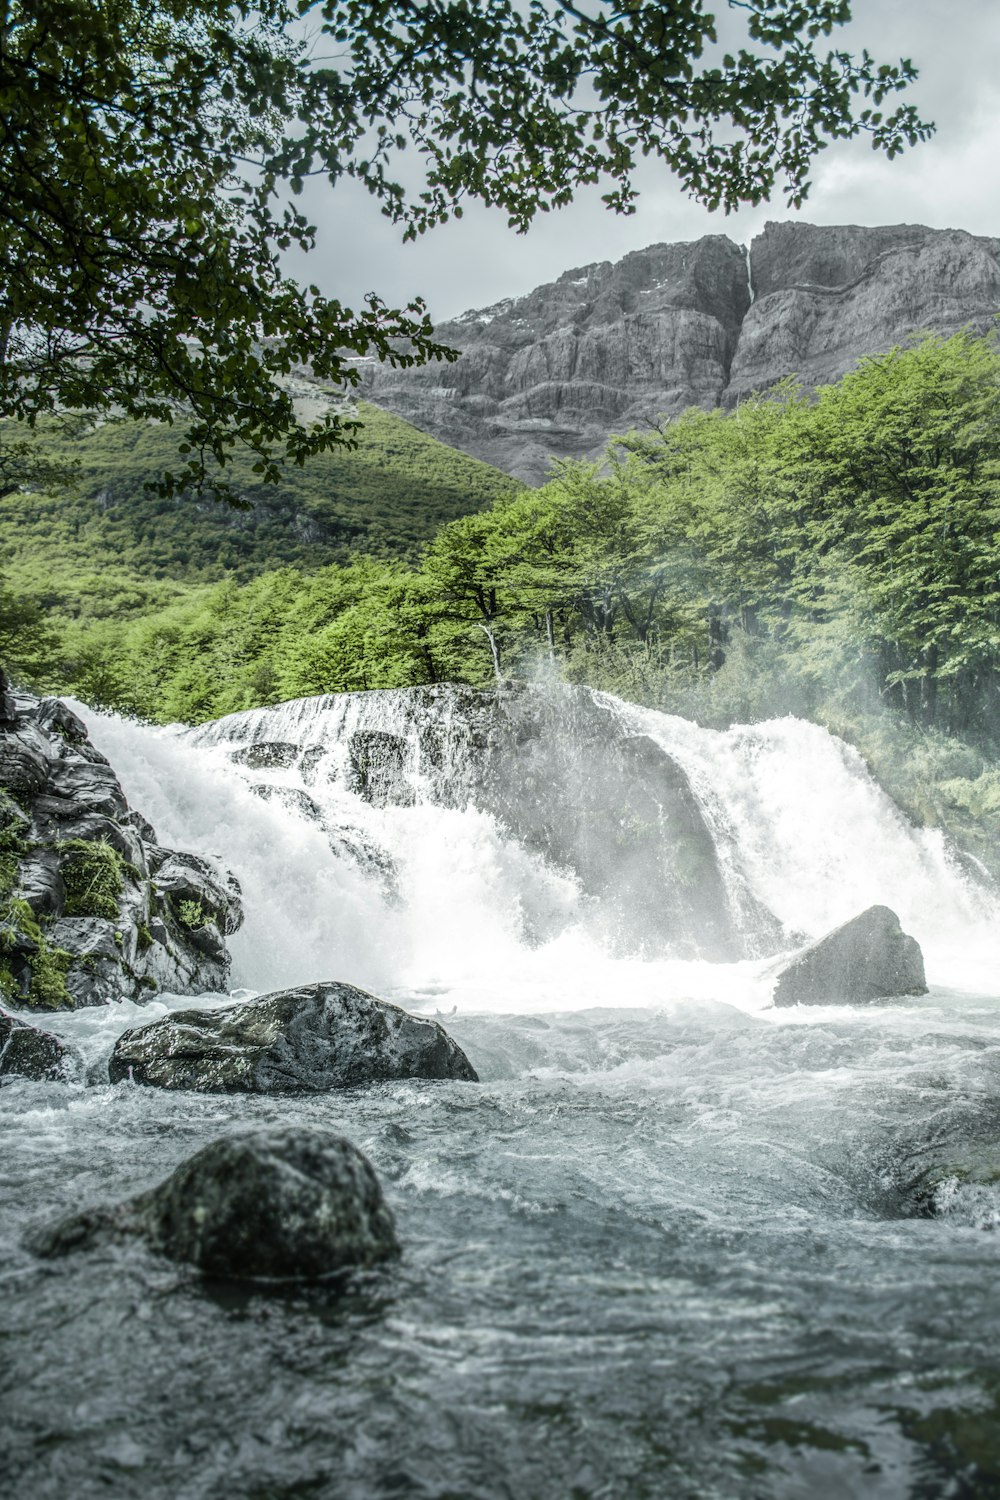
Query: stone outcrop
[
  {"x": 27, "y": 1052},
  {"x": 569, "y": 778},
  {"x": 609, "y": 346},
  {"x": 827, "y": 296},
  {"x": 307, "y": 1040},
  {"x": 275, "y": 1204},
  {"x": 868, "y": 958},
  {"x": 92, "y": 909}
]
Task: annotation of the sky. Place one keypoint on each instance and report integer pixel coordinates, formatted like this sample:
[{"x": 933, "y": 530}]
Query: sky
[{"x": 952, "y": 181}]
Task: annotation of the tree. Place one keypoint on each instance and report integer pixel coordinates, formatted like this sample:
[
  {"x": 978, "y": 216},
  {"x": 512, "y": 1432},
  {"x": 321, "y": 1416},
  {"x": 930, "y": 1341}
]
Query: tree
[
  {"x": 146, "y": 151},
  {"x": 897, "y": 470}
]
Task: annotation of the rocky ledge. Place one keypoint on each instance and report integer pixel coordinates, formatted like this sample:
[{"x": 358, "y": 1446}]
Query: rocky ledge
[
  {"x": 92, "y": 908},
  {"x": 274, "y": 1204},
  {"x": 307, "y": 1040}
]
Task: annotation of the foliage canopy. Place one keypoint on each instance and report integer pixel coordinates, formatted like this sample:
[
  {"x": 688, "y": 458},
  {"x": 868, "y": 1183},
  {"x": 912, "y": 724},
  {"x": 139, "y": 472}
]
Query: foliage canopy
[
  {"x": 850, "y": 540},
  {"x": 147, "y": 151}
]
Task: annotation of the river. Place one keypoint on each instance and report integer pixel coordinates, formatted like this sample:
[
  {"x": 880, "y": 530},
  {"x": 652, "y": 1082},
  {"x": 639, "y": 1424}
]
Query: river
[{"x": 664, "y": 1249}]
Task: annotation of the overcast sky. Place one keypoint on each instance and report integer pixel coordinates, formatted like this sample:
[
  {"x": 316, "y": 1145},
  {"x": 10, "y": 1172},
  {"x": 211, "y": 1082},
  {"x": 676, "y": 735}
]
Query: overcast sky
[{"x": 953, "y": 181}]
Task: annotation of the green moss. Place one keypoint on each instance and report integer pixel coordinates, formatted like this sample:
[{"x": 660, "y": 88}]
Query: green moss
[
  {"x": 49, "y": 965},
  {"x": 13, "y": 827},
  {"x": 144, "y": 938},
  {"x": 94, "y": 876},
  {"x": 191, "y": 914}
]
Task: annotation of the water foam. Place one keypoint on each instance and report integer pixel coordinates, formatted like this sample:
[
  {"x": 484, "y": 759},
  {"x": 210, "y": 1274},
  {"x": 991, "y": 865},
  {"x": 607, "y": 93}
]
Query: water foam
[{"x": 475, "y": 920}]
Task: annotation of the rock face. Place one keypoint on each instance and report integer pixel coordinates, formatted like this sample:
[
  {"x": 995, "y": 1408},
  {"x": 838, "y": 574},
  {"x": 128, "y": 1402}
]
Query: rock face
[
  {"x": 827, "y": 296},
  {"x": 595, "y": 352},
  {"x": 308, "y": 1040},
  {"x": 91, "y": 907},
  {"x": 27, "y": 1052},
  {"x": 613, "y": 346},
  {"x": 275, "y": 1204},
  {"x": 868, "y": 958}
]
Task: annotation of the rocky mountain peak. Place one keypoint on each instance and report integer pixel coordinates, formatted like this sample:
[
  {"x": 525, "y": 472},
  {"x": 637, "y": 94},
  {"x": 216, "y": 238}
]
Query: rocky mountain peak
[{"x": 614, "y": 345}]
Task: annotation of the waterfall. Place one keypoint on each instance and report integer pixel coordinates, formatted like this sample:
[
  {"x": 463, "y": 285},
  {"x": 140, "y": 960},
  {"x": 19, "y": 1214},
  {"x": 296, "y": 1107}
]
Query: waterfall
[
  {"x": 750, "y": 287},
  {"x": 538, "y": 848}
]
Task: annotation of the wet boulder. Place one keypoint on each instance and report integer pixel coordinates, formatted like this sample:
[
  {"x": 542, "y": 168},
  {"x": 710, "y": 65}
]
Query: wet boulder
[
  {"x": 24, "y": 760},
  {"x": 266, "y": 755},
  {"x": 8, "y": 703},
  {"x": 40, "y": 883},
  {"x": 377, "y": 768},
  {"x": 194, "y": 890},
  {"x": 281, "y": 1203},
  {"x": 291, "y": 798},
  {"x": 28, "y": 1052},
  {"x": 54, "y": 717},
  {"x": 869, "y": 958},
  {"x": 308, "y": 1040},
  {"x": 91, "y": 909}
]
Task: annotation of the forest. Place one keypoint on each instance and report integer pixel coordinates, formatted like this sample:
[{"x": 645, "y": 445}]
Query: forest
[{"x": 832, "y": 554}]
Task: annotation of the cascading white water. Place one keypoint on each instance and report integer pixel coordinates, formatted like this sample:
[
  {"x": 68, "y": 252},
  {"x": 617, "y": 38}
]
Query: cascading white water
[
  {"x": 473, "y": 919},
  {"x": 665, "y": 1246},
  {"x": 796, "y": 813}
]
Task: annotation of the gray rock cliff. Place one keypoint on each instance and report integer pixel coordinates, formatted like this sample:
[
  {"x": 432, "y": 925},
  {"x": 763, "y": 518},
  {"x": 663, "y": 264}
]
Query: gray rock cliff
[
  {"x": 609, "y": 347},
  {"x": 92, "y": 909}
]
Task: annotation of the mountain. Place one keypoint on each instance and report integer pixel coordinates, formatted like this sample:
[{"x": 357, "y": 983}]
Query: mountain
[{"x": 613, "y": 346}]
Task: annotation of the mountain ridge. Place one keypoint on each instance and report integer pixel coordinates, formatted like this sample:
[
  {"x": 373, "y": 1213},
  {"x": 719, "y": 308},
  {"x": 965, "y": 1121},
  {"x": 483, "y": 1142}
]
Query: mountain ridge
[{"x": 613, "y": 345}]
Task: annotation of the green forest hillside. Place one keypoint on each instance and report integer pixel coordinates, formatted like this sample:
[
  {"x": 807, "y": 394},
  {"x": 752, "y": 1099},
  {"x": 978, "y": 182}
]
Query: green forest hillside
[
  {"x": 110, "y": 543},
  {"x": 836, "y": 556}
]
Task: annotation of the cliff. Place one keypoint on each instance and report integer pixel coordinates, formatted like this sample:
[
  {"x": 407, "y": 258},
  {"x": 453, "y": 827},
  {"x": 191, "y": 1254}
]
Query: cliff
[
  {"x": 613, "y": 346},
  {"x": 92, "y": 908}
]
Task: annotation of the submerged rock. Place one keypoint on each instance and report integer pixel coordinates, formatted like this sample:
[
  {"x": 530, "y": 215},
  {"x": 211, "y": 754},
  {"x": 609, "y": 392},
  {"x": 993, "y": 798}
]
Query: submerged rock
[
  {"x": 91, "y": 908},
  {"x": 266, "y": 755},
  {"x": 280, "y": 1203},
  {"x": 572, "y": 780},
  {"x": 28, "y": 1052},
  {"x": 868, "y": 958},
  {"x": 307, "y": 1040},
  {"x": 576, "y": 779}
]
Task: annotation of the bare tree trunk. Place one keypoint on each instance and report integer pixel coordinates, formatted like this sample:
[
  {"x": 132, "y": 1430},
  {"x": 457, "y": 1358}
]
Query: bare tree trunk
[{"x": 493, "y": 648}]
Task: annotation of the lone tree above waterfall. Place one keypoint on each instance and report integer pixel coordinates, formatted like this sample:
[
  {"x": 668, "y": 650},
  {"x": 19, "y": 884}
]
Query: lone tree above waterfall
[{"x": 148, "y": 154}]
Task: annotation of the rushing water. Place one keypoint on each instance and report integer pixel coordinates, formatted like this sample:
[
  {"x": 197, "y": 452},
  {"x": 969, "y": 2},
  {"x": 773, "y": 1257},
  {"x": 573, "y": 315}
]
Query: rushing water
[{"x": 658, "y": 1252}]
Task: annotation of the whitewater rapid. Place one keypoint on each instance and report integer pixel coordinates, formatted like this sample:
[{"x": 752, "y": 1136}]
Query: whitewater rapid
[
  {"x": 668, "y": 1245},
  {"x": 473, "y": 921}
]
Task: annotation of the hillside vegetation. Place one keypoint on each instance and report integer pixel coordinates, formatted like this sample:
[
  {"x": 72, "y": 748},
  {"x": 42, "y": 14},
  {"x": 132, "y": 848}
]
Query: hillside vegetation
[
  {"x": 836, "y": 556},
  {"x": 385, "y": 498}
]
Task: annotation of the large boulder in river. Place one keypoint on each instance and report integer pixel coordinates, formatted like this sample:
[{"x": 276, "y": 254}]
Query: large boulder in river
[
  {"x": 27, "y": 1052},
  {"x": 868, "y": 958},
  {"x": 275, "y": 1204},
  {"x": 92, "y": 909},
  {"x": 308, "y": 1040}
]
